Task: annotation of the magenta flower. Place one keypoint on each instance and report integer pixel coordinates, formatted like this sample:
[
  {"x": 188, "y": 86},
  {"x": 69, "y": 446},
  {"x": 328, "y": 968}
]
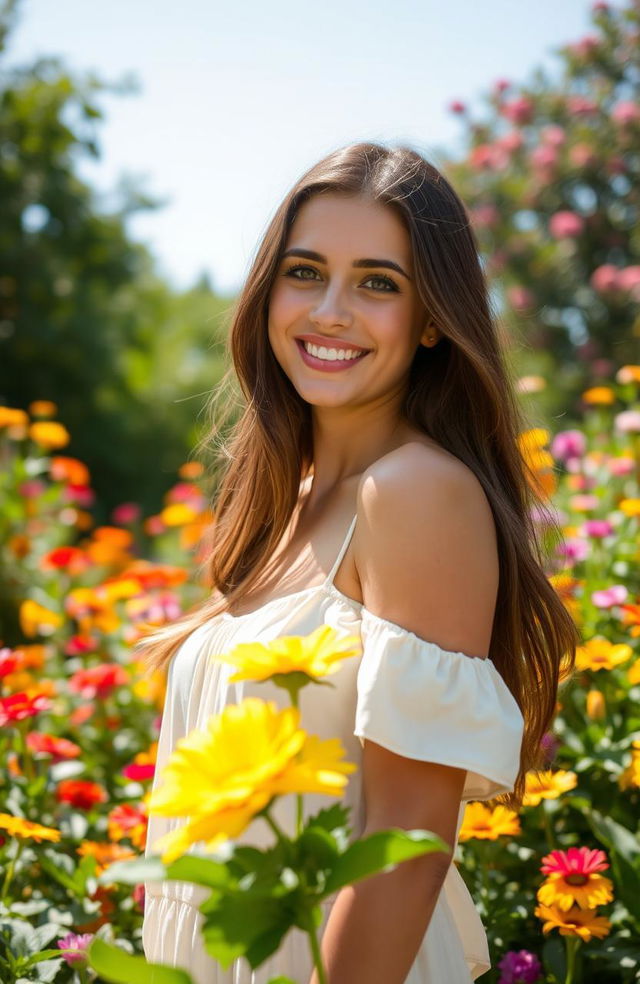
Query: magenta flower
[
  {"x": 549, "y": 745},
  {"x": 457, "y": 107},
  {"x": 76, "y": 946},
  {"x": 568, "y": 444},
  {"x": 609, "y": 597},
  {"x": 521, "y": 967},
  {"x": 565, "y": 225},
  {"x": 598, "y": 528}
]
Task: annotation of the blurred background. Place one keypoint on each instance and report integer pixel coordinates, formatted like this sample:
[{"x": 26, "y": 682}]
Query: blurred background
[{"x": 145, "y": 147}]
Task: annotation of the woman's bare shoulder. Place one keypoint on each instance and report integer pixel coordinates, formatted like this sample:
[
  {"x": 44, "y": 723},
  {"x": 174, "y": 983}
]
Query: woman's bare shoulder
[{"x": 417, "y": 460}]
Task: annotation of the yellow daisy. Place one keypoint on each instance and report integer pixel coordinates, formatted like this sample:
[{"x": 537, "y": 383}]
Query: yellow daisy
[
  {"x": 547, "y": 785},
  {"x": 576, "y": 922},
  {"x": 484, "y": 823},
  {"x": 600, "y": 654},
  {"x": 317, "y": 654},
  {"x": 630, "y": 777},
  {"x": 220, "y": 778},
  {"x": 19, "y": 827}
]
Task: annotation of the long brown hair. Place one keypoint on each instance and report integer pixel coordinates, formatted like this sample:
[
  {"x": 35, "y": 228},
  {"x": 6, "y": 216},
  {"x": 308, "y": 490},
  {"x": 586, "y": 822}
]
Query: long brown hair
[{"x": 460, "y": 394}]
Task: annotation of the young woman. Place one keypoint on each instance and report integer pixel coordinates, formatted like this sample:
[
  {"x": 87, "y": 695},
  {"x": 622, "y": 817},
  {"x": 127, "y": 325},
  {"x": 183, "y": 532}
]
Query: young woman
[{"x": 374, "y": 483}]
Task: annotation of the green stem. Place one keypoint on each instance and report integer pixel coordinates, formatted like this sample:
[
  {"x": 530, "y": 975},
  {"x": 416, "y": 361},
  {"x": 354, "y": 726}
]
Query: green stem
[
  {"x": 10, "y": 871},
  {"x": 572, "y": 944},
  {"x": 27, "y": 758},
  {"x": 274, "y": 826},
  {"x": 547, "y": 828},
  {"x": 315, "y": 951},
  {"x": 294, "y": 694}
]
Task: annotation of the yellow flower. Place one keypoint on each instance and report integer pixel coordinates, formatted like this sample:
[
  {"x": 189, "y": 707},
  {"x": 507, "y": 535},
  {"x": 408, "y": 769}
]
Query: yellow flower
[
  {"x": 599, "y": 394},
  {"x": 633, "y": 673},
  {"x": 533, "y": 439},
  {"x": 547, "y": 785},
  {"x": 35, "y": 619},
  {"x": 221, "y": 777},
  {"x": 585, "y": 890},
  {"x": 19, "y": 827},
  {"x": 630, "y": 777},
  {"x": 49, "y": 434},
  {"x": 317, "y": 654},
  {"x": 600, "y": 654},
  {"x": 177, "y": 514},
  {"x": 10, "y": 417},
  {"x": 104, "y": 853},
  {"x": 576, "y": 922},
  {"x": 630, "y": 507},
  {"x": 484, "y": 823}
]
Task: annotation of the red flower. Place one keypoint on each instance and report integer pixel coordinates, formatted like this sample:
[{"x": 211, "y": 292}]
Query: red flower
[
  {"x": 80, "y": 793},
  {"x": 80, "y": 644},
  {"x": 65, "y": 558},
  {"x": 98, "y": 681},
  {"x": 8, "y": 662},
  {"x": 59, "y": 748},
  {"x": 575, "y": 860},
  {"x": 17, "y": 707},
  {"x": 81, "y": 714}
]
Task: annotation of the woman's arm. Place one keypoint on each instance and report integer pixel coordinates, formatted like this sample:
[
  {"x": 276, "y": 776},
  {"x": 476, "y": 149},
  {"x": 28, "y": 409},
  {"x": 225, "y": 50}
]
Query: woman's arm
[{"x": 427, "y": 560}]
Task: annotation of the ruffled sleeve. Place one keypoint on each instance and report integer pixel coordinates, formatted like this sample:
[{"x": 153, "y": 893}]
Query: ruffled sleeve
[{"x": 431, "y": 704}]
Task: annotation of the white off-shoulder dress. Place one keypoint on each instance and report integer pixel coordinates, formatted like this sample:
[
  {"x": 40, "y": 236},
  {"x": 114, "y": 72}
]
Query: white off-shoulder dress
[{"x": 403, "y": 692}]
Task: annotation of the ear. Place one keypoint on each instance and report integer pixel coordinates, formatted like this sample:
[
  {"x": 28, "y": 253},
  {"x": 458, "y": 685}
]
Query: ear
[{"x": 430, "y": 336}]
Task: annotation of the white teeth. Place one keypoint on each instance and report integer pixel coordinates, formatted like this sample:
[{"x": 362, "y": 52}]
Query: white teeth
[{"x": 330, "y": 355}]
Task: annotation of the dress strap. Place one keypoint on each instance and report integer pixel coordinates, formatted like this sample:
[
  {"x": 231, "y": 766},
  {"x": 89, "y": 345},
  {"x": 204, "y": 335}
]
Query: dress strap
[{"x": 334, "y": 570}]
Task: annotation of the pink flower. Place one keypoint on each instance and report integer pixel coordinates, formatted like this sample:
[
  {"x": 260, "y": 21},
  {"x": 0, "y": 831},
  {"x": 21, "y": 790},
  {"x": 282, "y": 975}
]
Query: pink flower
[
  {"x": 520, "y": 298},
  {"x": 621, "y": 466},
  {"x": 139, "y": 773},
  {"x": 625, "y": 112},
  {"x": 549, "y": 745},
  {"x": 598, "y": 528},
  {"x": 628, "y": 422},
  {"x": 76, "y": 946},
  {"x": 583, "y": 502},
  {"x": 582, "y": 155},
  {"x": 605, "y": 278},
  {"x": 568, "y": 444},
  {"x": 138, "y": 895},
  {"x": 32, "y": 488},
  {"x": 574, "y": 861},
  {"x": 553, "y": 135},
  {"x": 544, "y": 156},
  {"x": 125, "y": 513},
  {"x": 629, "y": 277},
  {"x": 501, "y": 85},
  {"x": 580, "y": 106},
  {"x": 457, "y": 107},
  {"x": 609, "y": 597},
  {"x": 485, "y": 216},
  {"x": 563, "y": 225},
  {"x": 519, "y": 110},
  {"x": 573, "y": 549},
  {"x": 513, "y": 140}
]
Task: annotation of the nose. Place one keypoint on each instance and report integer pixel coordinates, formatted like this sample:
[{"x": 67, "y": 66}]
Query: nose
[{"x": 330, "y": 308}]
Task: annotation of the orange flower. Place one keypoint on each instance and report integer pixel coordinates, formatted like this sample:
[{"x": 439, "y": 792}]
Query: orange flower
[
  {"x": 599, "y": 395},
  {"x": 628, "y": 374},
  {"x": 583, "y": 923},
  {"x": 10, "y": 418},
  {"x": 19, "y": 827},
  {"x": 484, "y": 823},
  {"x": 631, "y": 616},
  {"x": 573, "y": 879},
  {"x": 80, "y": 793},
  {"x": 600, "y": 654},
  {"x": 68, "y": 470},
  {"x": 104, "y": 853},
  {"x": 190, "y": 470},
  {"x": 129, "y": 821},
  {"x": 49, "y": 434},
  {"x": 43, "y": 408}
]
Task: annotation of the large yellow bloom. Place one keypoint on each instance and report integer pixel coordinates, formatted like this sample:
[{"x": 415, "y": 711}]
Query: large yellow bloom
[
  {"x": 19, "y": 827},
  {"x": 600, "y": 654},
  {"x": 317, "y": 654},
  {"x": 220, "y": 778},
  {"x": 547, "y": 785},
  {"x": 486, "y": 824},
  {"x": 576, "y": 922},
  {"x": 586, "y": 890}
]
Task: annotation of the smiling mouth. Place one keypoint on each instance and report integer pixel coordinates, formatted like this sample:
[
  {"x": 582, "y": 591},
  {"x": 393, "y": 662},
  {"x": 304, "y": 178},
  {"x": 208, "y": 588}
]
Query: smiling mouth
[{"x": 331, "y": 353}]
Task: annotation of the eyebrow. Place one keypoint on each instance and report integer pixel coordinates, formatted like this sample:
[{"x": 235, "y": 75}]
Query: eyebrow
[{"x": 310, "y": 254}]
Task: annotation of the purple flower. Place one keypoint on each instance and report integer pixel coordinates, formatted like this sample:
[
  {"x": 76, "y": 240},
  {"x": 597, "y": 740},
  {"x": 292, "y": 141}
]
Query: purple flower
[
  {"x": 549, "y": 745},
  {"x": 519, "y": 967},
  {"x": 76, "y": 946}
]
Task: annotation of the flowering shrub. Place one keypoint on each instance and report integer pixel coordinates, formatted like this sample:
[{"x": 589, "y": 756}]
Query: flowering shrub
[{"x": 79, "y": 722}]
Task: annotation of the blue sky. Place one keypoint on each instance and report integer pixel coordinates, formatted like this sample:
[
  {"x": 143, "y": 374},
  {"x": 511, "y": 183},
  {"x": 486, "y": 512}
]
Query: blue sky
[{"x": 236, "y": 100}]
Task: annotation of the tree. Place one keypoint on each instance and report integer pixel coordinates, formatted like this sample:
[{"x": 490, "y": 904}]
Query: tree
[{"x": 550, "y": 176}]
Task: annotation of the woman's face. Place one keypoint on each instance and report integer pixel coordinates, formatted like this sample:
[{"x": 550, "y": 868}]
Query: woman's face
[{"x": 325, "y": 293}]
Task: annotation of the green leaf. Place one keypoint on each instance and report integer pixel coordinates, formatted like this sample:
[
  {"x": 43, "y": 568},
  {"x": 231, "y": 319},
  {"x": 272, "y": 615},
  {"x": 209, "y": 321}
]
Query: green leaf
[
  {"x": 554, "y": 959},
  {"x": 201, "y": 870},
  {"x": 246, "y": 924},
  {"x": 380, "y": 852},
  {"x": 118, "y": 967},
  {"x": 615, "y": 836},
  {"x": 280, "y": 980},
  {"x": 134, "y": 871}
]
